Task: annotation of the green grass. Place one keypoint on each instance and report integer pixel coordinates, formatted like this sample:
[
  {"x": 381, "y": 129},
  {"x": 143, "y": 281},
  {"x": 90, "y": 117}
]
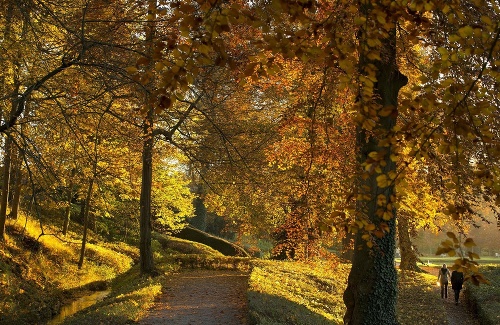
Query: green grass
[
  {"x": 434, "y": 261},
  {"x": 486, "y": 298},
  {"x": 35, "y": 276},
  {"x": 296, "y": 293},
  {"x": 311, "y": 293}
]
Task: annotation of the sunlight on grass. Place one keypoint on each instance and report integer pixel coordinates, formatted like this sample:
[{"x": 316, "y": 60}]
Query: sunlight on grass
[
  {"x": 311, "y": 293},
  {"x": 131, "y": 296},
  {"x": 297, "y": 293},
  {"x": 37, "y": 272}
]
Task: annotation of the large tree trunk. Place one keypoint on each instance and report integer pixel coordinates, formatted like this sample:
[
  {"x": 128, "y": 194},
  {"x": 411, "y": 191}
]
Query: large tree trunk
[
  {"x": 409, "y": 256},
  {"x": 371, "y": 292}
]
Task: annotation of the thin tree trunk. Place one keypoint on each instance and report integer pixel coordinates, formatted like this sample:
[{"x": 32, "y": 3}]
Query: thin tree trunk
[
  {"x": 69, "y": 198},
  {"x": 8, "y": 142},
  {"x": 16, "y": 183},
  {"x": 146, "y": 260},
  {"x": 85, "y": 208},
  {"x": 145, "y": 250},
  {"x": 371, "y": 293},
  {"x": 5, "y": 186},
  {"x": 16, "y": 199}
]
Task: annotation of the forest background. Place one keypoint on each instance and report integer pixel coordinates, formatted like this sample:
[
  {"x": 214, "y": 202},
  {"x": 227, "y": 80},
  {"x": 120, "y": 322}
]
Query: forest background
[{"x": 307, "y": 124}]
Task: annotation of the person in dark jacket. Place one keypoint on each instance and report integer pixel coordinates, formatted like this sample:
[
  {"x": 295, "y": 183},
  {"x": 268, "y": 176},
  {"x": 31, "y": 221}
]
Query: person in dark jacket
[
  {"x": 457, "y": 280},
  {"x": 443, "y": 277}
]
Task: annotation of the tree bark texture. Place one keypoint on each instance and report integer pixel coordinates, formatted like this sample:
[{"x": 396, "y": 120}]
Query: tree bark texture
[
  {"x": 85, "y": 208},
  {"x": 146, "y": 254},
  {"x": 371, "y": 293},
  {"x": 145, "y": 250},
  {"x": 69, "y": 198},
  {"x": 409, "y": 256},
  {"x": 5, "y": 186}
]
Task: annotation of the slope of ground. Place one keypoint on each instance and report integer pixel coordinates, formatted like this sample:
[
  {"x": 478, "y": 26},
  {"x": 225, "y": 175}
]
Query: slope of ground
[{"x": 39, "y": 273}]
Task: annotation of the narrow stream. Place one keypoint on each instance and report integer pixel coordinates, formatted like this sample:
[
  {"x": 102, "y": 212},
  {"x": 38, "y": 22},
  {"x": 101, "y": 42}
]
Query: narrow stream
[{"x": 77, "y": 305}]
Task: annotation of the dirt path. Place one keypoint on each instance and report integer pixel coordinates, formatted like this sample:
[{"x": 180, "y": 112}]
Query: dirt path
[
  {"x": 205, "y": 297},
  {"x": 457, "y": 315}
]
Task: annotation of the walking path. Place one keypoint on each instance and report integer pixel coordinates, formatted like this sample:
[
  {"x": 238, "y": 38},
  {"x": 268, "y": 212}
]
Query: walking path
[
  {"x": 457, "y": 315},
  {"x": 205, "y": 297}
]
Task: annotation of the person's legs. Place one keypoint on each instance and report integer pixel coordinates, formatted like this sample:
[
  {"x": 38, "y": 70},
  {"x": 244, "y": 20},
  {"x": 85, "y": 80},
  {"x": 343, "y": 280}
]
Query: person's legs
[
  {"x": 457, "y": 293},
  {"x": 445, "y": 290},
  {"x": 442, "y": 290}
]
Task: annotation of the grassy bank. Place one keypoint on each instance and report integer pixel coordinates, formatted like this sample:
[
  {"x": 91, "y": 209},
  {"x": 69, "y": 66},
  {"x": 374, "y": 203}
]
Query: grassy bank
[
  {"x": 296, "y": 293},
  {"x": 39, "y": 273},
  {"x": 485, "y": 299},
  {"x": 300, "y": 293}
]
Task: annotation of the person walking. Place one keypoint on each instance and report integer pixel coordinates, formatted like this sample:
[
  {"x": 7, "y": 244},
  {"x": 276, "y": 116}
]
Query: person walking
[
  {"x": 443, "y": 277},
  {"x": 457, "y": 280}
]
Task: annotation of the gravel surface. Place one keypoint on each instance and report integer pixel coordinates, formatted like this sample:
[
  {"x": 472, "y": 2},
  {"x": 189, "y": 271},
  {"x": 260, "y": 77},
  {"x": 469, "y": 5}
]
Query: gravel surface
[{"x": 205, "y": 297}]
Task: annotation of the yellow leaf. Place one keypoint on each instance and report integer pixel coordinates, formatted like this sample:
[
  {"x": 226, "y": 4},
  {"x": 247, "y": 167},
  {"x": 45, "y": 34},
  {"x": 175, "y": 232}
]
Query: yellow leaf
[
  {"x": 473, "y": 256},
  {"x": 131, "y": 70},
  {"x": 370, "y": 227},
  {"x": 454, "y": 38},
  {"x": 381, "y": 19},
  {"x": 374, "y": 55},
  {"x": 382, "y": 181},
  {"x": 469, "y": 242},
  {"x": 466, "y": 31},
  {"x": 486, "y": 20},
  {"x": 387, "y": 216},
  {"x": 451, "y": 235},
  {"x": 159, "y": 66}
]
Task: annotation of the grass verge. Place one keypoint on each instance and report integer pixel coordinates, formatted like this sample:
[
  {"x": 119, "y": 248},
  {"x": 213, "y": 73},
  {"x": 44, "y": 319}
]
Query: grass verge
[{"x": 485, "y": 299}]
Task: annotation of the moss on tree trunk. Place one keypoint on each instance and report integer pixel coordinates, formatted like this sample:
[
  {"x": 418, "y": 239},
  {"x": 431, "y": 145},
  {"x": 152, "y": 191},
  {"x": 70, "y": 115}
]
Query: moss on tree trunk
[{"x": 371, "y": 293}]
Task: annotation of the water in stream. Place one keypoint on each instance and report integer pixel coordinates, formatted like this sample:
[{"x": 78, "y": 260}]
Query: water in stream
[{"x": 77, "y": 305}]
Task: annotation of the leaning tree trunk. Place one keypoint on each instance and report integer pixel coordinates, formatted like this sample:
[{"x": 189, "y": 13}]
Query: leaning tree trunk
[
  {"x": 371, "y": 293},
  {"x": 409, "y": 256}
]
